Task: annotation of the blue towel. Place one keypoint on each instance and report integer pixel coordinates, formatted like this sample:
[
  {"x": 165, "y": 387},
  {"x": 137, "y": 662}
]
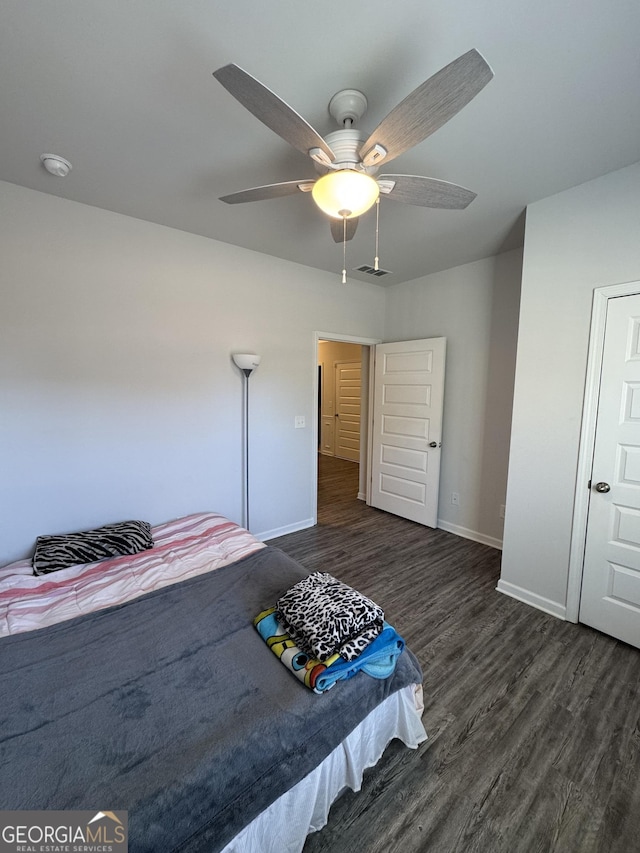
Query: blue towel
[{"x": 378, "y": 659}]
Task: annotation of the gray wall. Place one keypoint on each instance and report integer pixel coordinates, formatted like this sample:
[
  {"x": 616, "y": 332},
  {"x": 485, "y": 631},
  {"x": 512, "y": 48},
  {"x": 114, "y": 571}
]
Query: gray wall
[
  {"x": 584, "y": 238},
  {"x": 475, "y": 307},
  {"x": 118, "y": 397}
]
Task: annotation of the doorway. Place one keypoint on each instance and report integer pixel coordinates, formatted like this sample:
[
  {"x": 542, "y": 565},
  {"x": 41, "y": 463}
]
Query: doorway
[
  {"x": 338, "y": 446},
  {"x": 408, "y": 384},
  {"x": 339, "y": 421},
  {"x": 340, "y": 398}
]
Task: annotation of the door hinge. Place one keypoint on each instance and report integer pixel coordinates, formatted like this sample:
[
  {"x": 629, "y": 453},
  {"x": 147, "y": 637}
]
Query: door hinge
[{"x": 589, "y": 484}]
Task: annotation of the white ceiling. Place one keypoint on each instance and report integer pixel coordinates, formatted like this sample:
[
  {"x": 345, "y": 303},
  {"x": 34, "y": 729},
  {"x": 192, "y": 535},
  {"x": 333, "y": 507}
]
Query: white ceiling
[{"x": 124, "y": 90}]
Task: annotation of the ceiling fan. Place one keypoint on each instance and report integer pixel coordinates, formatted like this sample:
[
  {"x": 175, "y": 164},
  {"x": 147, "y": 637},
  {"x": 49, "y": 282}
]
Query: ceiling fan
[{"x": 347, "y": 159}]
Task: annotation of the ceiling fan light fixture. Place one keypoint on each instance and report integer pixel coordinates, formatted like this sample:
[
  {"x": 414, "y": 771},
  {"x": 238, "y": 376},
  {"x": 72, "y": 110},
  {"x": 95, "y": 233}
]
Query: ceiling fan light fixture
[{"x": 345, "y": 194}]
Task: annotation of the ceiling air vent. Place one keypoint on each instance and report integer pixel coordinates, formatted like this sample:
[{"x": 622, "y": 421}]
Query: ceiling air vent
[{"x": 371, "y": 271}]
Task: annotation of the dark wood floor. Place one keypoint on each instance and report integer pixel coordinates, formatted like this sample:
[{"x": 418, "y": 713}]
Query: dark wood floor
[{"x": 533, "y": 723}]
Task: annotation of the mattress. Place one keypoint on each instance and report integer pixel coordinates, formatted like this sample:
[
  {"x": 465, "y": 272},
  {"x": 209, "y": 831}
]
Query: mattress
[{"x": 183, "y": 549}]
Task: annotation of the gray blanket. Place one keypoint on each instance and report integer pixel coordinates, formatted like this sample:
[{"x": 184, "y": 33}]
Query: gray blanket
[{"x": 171, "y": 707}]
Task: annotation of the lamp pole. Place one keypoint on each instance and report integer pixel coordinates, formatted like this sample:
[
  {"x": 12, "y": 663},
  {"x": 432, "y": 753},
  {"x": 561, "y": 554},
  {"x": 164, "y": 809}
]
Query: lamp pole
[
  {"x": 247, "y": 362},
  {"x": 247, "y": 374}
]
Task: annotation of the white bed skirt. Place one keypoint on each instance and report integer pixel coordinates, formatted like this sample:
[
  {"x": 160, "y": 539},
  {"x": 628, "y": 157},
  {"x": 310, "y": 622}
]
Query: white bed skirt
[{"x": 283, "y": 827}]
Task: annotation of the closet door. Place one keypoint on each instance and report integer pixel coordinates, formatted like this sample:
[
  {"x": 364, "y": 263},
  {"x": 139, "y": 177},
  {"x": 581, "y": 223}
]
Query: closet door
[{"x": 610, "y": 598}]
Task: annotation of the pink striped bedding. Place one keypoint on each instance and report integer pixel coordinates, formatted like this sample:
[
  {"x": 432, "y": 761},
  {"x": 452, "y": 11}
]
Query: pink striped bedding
[{"x": 182, "y": 549}]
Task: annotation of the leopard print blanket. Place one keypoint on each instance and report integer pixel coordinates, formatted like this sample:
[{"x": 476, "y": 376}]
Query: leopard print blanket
[{"x": 325, "y": 616}]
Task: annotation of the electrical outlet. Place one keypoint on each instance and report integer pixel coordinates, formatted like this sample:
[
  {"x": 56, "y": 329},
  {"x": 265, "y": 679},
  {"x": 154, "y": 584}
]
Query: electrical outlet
[
  {"x": 455, "y": 498},
  {"x": 299, "y": 422}
]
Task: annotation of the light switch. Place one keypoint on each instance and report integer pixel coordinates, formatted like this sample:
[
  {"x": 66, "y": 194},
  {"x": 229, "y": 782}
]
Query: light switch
[{"x": 299, "y": 422}]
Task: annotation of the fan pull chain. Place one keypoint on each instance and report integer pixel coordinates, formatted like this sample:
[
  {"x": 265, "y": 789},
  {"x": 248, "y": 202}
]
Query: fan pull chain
[
  {"x": 375, "y": 263},
  {"x": 344, "y": 249}
]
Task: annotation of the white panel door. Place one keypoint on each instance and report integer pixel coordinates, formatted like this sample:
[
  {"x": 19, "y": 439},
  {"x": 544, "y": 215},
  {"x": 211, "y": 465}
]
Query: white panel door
[
  {"x": 347, "y": 415},
  {"x": 407, "y": 428},
  {"x": 326, "y": 436},
  {"x": 610, "y": 598}
]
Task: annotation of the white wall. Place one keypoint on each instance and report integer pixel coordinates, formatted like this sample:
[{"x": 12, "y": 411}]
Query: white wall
[
  {"x": 475, "y": 307},
  {"x": 118, "y": 397},
  {"x": 584, "y": 238}
]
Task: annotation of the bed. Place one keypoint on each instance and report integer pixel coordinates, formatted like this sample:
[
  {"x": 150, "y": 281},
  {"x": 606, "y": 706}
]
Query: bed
[{"x": 139, "y": 683}]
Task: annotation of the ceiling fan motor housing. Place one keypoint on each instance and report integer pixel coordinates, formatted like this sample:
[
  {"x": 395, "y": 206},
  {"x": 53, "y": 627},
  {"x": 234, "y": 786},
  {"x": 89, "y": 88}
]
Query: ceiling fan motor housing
[{"x": 346, "y": 144}]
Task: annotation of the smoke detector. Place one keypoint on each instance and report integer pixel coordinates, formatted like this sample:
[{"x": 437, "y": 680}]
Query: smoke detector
[{"x": 56, "y": 165}]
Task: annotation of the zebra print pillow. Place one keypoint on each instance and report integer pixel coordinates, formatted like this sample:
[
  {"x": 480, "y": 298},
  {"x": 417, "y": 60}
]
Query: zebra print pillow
[{"x": 113, "y": 540}]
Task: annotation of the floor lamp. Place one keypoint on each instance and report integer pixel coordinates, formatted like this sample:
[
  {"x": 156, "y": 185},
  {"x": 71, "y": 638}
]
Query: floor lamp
[{"x": 247, "y": 362}]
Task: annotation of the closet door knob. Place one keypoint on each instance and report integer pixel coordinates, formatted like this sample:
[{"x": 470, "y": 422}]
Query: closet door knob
[{"x": 602, "y": 487}]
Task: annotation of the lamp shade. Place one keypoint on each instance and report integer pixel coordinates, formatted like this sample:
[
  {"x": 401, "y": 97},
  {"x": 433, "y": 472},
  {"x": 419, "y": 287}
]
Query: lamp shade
[
  {"x": 345, "y": 194},
  {"x": 246, "y": 360}
]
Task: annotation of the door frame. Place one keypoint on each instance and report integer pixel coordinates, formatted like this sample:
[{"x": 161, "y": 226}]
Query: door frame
[
  {"x": 365, "y": 414},
  {"x": 601, "y": 297}
]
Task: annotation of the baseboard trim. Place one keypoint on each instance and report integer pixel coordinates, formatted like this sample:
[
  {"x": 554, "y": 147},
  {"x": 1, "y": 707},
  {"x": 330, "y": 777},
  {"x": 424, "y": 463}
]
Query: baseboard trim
[
  {"x": 362, "y": 496},
  {"x": 532, "y": 598},
  {"x": 491, "y": 541},
  {"x": 282, "y": 531}
]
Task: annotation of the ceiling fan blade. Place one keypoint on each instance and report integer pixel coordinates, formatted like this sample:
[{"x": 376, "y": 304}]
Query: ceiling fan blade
[
  {"x": 337, "y": 229},
  {"x": 268, "y": 191},
  {"x": 271, "y": 110},
  {"x": 429, "y": 106},
  {"x": 427, "y": 192}
]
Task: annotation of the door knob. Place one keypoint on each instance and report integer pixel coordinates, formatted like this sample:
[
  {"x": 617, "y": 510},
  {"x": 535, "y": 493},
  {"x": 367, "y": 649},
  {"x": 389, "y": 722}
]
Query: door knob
[
  {"x": 435, "y": 444},
  {"x": 602, "y": 487}
]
